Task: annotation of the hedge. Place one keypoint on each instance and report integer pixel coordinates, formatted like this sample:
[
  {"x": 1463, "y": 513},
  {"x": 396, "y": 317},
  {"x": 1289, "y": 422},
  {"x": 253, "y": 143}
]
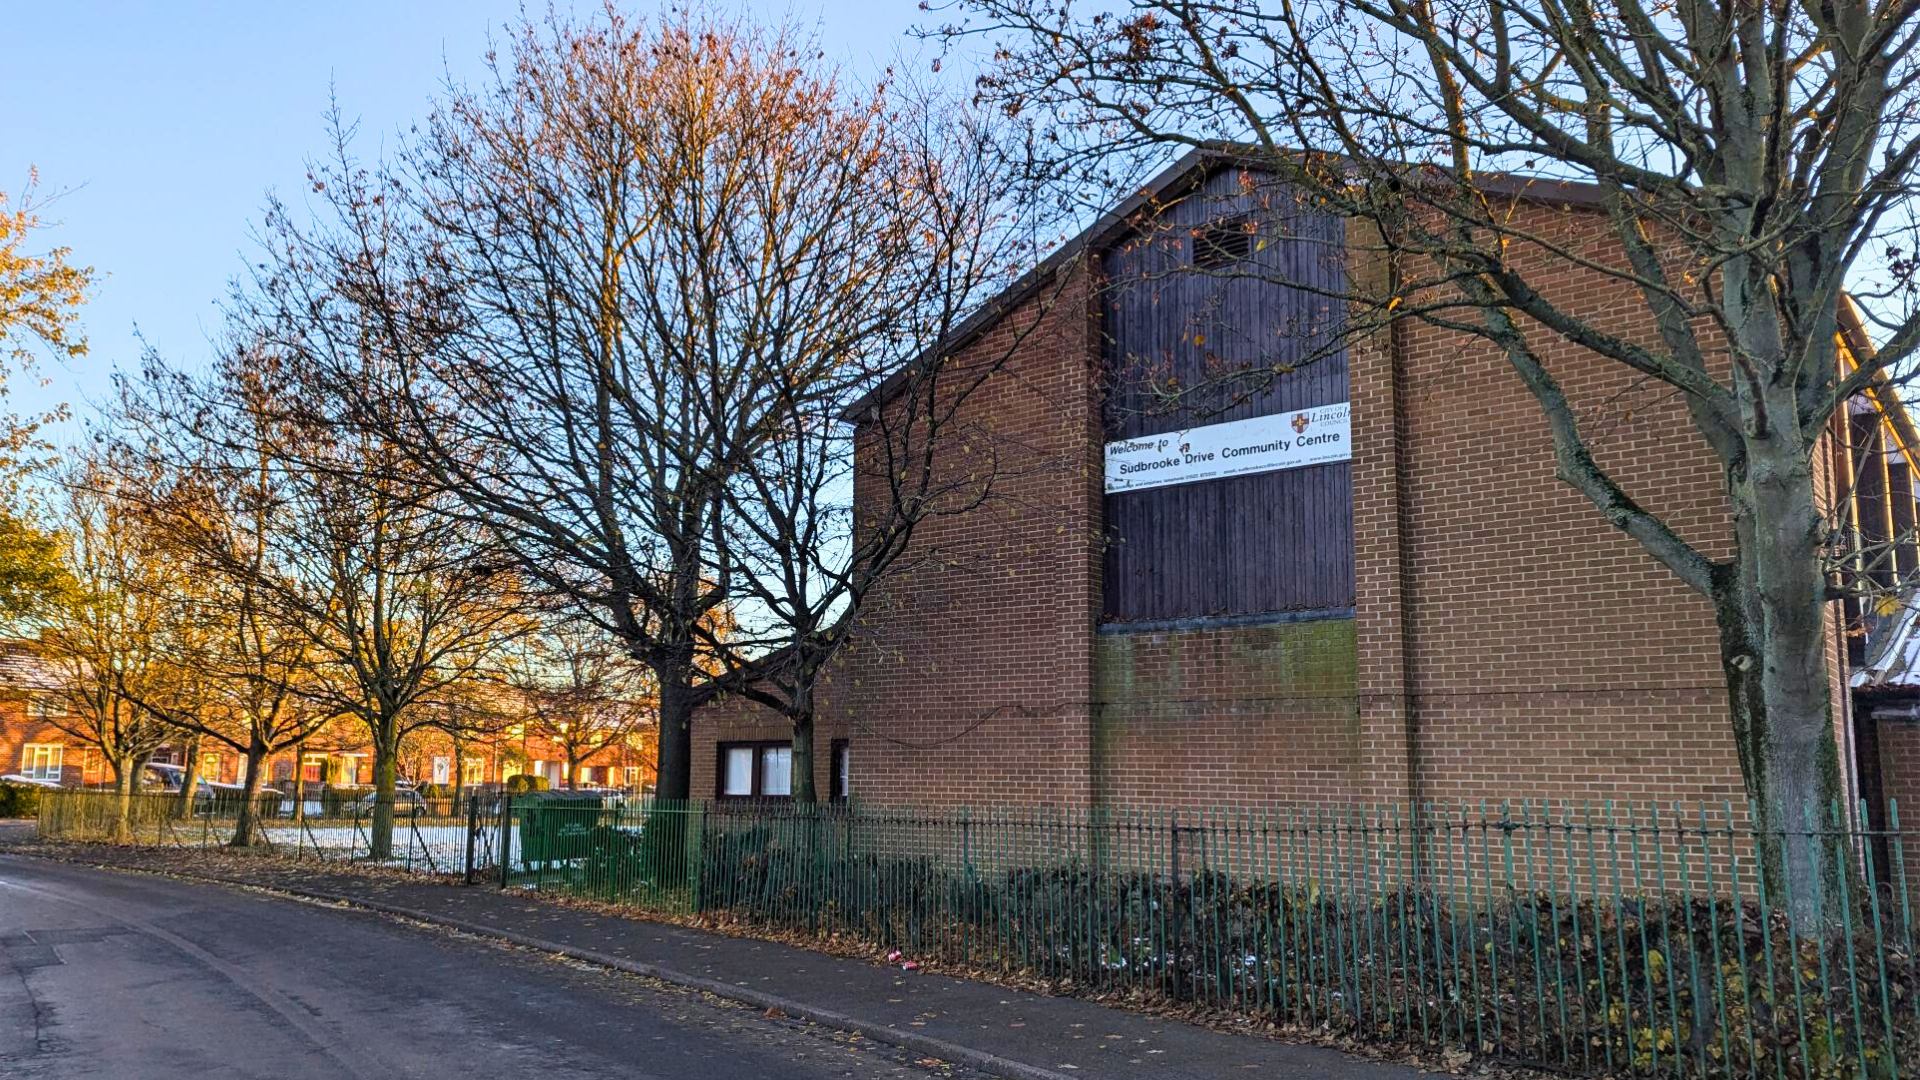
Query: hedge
[{"x": 19, "y": 800}]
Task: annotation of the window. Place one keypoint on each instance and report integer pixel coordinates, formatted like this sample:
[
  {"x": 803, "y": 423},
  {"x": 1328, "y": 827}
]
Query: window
[
  {"x": 472, "y": 770},
  {"x": 837, "y": 783},
  {"x": 736, "y": 771},
  {"x": 313, "y": 768},
  {"x": 586, "y": 776},
  {"x": 776, "y": 772},
  {"x": 210, "y": 767},
  {"x": 45, "y": 706},
  {"x": 756, "y": 770},
  {"x": 443, "y": 770},
  {"x": 42, "y": 762}
]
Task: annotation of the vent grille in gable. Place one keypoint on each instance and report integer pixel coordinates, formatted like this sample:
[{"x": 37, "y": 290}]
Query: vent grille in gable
[{"x": 1219, "y": 246}]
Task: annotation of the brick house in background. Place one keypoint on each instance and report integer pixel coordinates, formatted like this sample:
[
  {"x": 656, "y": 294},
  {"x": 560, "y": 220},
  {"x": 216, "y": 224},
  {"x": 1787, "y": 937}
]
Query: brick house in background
[
  {"x": 31, "y": 746},
  {"x": 1422, "y": 613}
]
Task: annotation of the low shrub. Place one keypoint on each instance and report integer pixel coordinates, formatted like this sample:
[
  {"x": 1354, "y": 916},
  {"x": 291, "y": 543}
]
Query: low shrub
[
  {"x": 1699, "y": 985},
  {"x": 19, "y": 800},
  {"x": 521, "y": 783}
]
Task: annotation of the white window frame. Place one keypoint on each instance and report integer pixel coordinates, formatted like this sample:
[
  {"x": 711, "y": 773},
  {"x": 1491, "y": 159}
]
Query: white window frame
[{"x": 43, "y": 761}]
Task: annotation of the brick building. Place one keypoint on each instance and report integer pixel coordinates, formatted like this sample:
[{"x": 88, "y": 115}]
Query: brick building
[
  {"x": 33, "y": 746},
  {"x": 1423, "y": 613}
]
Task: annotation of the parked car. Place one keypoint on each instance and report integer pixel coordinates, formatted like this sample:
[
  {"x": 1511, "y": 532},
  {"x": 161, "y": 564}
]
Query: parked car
[
  {"x": 36, "y": 781},
  {"x": 161, "y": 777},
  {"x": 407, "y": 802},
  {"x": 236, "y": 791}
]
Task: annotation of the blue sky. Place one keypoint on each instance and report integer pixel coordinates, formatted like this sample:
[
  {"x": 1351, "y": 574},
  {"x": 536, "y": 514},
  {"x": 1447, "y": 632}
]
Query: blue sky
[{"x": 166, "y": 124}]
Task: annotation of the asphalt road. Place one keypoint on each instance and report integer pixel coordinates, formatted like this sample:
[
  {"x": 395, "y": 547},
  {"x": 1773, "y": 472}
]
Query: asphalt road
[{"x": 148, "y": 978}]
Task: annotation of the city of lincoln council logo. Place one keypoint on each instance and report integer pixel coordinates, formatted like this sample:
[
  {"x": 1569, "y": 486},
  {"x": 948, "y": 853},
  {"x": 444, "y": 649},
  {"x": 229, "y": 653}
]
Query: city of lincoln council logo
[{"x": 1300, "y": 423}]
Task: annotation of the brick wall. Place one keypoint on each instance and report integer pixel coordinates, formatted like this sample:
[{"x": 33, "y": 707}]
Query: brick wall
[
  {"x": 1544, "y": 653},
  {"x": 732, "y": 720},
  {"x": 1900, "y": 766},
  {"x": 1507, "y": 642},
  {"x": 18, "y": 729},
  {"x": 970, "y": 681},
  {"x": 1233, "y": 716}
]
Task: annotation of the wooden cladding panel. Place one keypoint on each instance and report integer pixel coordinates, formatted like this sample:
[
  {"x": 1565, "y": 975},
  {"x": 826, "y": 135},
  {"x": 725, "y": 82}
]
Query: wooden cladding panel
[
  {"x": 1272, "y": 542},
  {"x": 1279, "y": 541}
]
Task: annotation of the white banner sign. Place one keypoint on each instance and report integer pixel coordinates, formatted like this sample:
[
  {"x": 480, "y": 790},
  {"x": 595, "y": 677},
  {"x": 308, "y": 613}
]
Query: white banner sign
[{"x": 1235, "y": 448}]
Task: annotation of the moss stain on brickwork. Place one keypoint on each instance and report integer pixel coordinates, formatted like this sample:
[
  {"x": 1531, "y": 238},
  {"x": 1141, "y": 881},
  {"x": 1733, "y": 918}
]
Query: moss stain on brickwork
[
  {"x": 1272, "y": 690},
  {"x": 1284, "y": 660}
]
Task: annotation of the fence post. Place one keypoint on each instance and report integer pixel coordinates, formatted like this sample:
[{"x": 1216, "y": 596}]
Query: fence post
[
  {"x": 473, "y": 826},
  {"x": 506, "y": 837},
  {"x": 1174, "y": 907}
]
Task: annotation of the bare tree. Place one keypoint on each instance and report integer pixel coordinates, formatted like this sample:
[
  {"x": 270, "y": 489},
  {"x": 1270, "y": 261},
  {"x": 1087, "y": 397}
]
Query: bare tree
[
  {"x": 579, "y": 693},
  {"x": 340, "y": 551},
  {"x": 875, "y": 436},
  {"x": 583, "y": 273},
  {"x": 256, "y": 667},
  {"x": 475, "y": 712},
  {"x": 1753, "y": 162},
  {"x": 122, "y": 633}
]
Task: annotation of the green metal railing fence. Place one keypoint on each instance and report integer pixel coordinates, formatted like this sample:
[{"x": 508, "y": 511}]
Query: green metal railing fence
[
  {"x": 428, "y": 835},
  {"x": 1596, "y": 939},
  {"x": 1599, "y": 939}
]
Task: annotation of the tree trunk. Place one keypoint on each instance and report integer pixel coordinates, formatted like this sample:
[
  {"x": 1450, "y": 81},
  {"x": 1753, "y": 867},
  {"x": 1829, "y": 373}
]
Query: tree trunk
[
  {"x": 188, "y": 763},
  {"x": 123, "y": 785},
  {"x": 1775, "y": 653},
  {"x": 248, "y": 820},
  {"x": 386, "y": 763},
  {"x": 675, "y": 678},
  {"x": 802, "y": 782},
  {"x": 459, "y": 775},
  {"x": 299, "y": 783}
]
